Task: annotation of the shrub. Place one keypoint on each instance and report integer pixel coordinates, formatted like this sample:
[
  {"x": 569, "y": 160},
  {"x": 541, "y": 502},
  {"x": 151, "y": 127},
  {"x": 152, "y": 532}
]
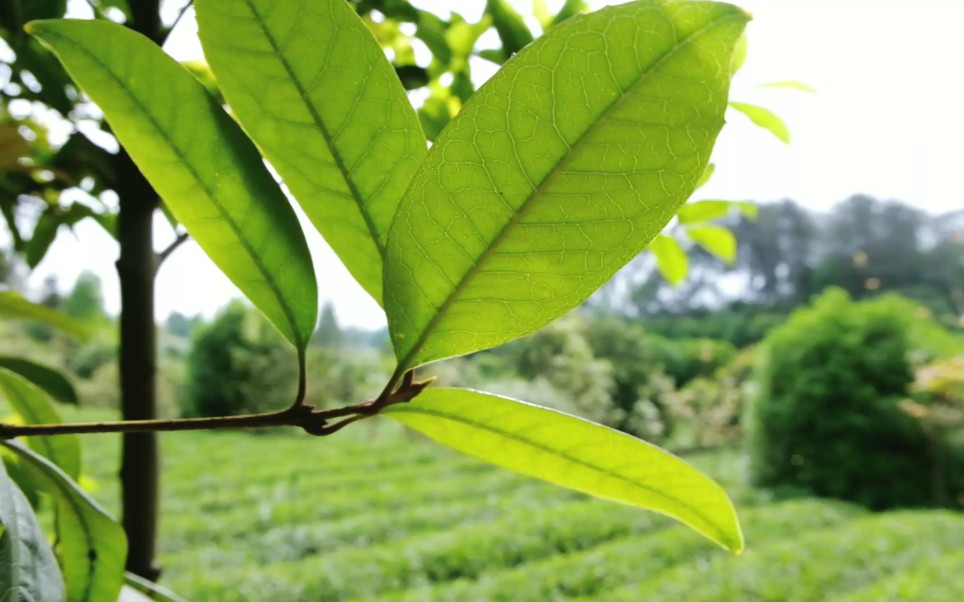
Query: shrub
[{"x": 827, "y": 414}]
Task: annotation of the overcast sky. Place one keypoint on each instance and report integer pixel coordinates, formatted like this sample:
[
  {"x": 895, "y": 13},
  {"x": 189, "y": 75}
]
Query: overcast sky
[{"x": 886, "y": 120}]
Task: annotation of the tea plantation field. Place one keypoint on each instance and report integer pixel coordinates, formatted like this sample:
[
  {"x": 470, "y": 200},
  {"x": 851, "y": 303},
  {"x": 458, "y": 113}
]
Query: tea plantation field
[{"x": 392, "y": 518}]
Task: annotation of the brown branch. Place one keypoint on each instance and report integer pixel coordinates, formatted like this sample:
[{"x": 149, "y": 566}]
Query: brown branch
[
  {"x": 301, "y": 415},
  {"x": 180, "y": 240}
]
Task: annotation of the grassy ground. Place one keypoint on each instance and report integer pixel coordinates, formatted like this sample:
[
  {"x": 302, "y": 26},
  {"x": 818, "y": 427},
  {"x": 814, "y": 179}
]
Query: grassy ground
[{"x": 381, "y": 516}]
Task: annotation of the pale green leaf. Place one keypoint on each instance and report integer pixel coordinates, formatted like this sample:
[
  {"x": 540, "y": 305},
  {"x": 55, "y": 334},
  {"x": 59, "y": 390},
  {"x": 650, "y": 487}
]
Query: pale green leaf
[
  {"x": 28, "y": 569},
  {"x": 707, "y": 174},
  {"x": 311, "y": 86},
  {"x": 716, "y": 240},
  {"x": 558, "y": 171},
  {"x": 51, "y": 381},
  {"x": 574, "y": 453},
  {"x": 739, "y": 54},
  {"x": 33, "y": 407},
  {"x": 703, "y": 211},
  {"x": 199, "y": 161},
  {"x": 765, "y": 119},
  {"x": 791, "y": 84},
  {"x": 671, "y": 260},
  {"x": 13, "y": 305},
  {"x": 91, "y": 545},
  {"x": 747, "y": 208}
]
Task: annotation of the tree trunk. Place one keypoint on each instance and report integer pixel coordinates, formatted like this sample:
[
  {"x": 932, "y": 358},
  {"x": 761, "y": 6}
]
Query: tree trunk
[{"x": 139, "y": 473}]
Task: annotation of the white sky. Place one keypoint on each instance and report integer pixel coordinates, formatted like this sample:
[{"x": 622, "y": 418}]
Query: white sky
[{"x": 886, "y": 120}]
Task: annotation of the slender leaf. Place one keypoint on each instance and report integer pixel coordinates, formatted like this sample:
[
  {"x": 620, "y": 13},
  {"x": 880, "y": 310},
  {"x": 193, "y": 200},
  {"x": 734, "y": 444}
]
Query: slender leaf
[
  {"x": 574, "y": 453},
  {"x": 150, "y": 590},
  {"x": 32, "y": 405},
  {"x": 508, "y": 23},
  {"x": 671, "y": 260},
  {"x": 43, "y": 236},
  {"x": 91, "y": 545},
  {"x": 765, "y": 119},
  {"x": 791, "y": 84},
  {"x": 570, "y": 8},
  {"x": 707, "y": 174},
  {"x": 716, "y": 240},
  {"x": 53, "y": 382},
  {"x": 199, "y": 161},
  {"x": 703, "y": 211},
  {"x": 312, "y": 87},
  {"x": 12, "y": 305},
  {"x": 28, "y": 569},
  {"x": 557, "y": 172}
]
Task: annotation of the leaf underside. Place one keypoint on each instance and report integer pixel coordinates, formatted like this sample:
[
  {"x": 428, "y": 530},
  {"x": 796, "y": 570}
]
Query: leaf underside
[
  {"x": 313, "y": 89},
  {"x": 199, "y": 161},
  {"x": 574, "y": 453},
  {"x": 556, "y": 173}
]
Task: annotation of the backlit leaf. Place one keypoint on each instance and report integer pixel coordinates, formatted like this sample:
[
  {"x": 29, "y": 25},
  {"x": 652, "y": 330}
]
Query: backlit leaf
[
  {"x": 557, "y": 172},
  {"x": 764, "y": 118},
  {"x": 51, "y": 381},
  {"x": 703, "y": 211},
  {"x": 314, "y": 90},
  {"x": 508, "y": 23},
  {"x": 707, "y": 174},
  {"x": 716, "y": 240},
  {"x": 671, "y": 260},
  {"x": 14, "y": 306},
  {"x": 574, "y": 453},
  {"x": 33, "y": 407},
  {"x": 28, "y": 569},
  {"x": 91, "y": 545},
  {"x": 199, "y": 161},
  {"x": 791, "y": 84}
]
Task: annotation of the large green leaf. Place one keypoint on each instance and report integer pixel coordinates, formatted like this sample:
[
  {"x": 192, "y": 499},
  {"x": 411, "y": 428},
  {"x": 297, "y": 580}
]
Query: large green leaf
[
  {"x": 13, "y": 305},
  {"x": 51, "y": 381},
  {"x": 91, "y": 545},
  {"x": 764, "y": 118},
  {"x": 573, "y": 453},
  {"x": 556, "y": 173},
  {"x": 199, "y": 161},
  {"x": 28, "y": 569},
  {"x": 32, "y": 405},
  {"x": 312, "y": 87}
]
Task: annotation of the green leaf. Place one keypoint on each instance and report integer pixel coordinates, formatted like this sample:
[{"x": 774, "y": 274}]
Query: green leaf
[
  {"x": 716, "y": 240},
  {"x": 739, "y": 54},
  {"x": 12, "y": 305},
  {"x": 703, "y": 211},
  {"x": 51, "y": 381},
  {"x": 545, "y": 185},
  {"x": 671, "y": 260},
  {"x": 707, "y": 174},
  {"x": 765, "y": 119},
  {"x": 570, "y": 8},
  {"x": 32, "y": 405},
  {"x": 150, "y": 590},
  {"x": 791, "y": 84},
  {"x": 28, "y": 569},
  {"x": 199, "y": 161},
  {"x": 91, "y": 545},
  {"x": 574, "y": 453},
  {"x": 312, "y": 87},
  {"x": 43, "y": 236},
  {"x": 508, "y": 23}
]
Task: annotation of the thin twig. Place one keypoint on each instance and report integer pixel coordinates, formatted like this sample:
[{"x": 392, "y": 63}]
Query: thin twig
[
  {"x": 180, "y": 240},
  {"x": 177, "y": 19},
  {"x": 301, "y": 415}
]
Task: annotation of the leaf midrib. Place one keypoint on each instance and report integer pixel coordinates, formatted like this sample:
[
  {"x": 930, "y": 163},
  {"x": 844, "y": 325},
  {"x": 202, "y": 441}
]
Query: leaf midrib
[
  {"x": 526, "y": 205},
  {"x": 322, "y": 128},
  {"x": 573, "y": 459},
  {"x": 269, "y": 280}
]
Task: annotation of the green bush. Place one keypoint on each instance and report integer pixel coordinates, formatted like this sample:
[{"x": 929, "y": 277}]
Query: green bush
[{"x": 827, "y": 414}]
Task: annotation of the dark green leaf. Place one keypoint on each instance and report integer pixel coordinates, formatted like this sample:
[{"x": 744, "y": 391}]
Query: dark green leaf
[
  {"x": 199, "y": 161},
  {"x": 12, "y": 305},
  {"x": 28, "y": 569},
  {"x": 331, "y": 89},
  {"x": 574, "y": 453},
  {"x": 32, "y": 405},
  {"x": 765, "y": 119},
  {"x": 544, "y": 185},
  {"x": 671, "y": 260},
  {"x": 43, "y": 235},
  {"x": 512, "y": 30},
  {"x": 91, "y": 545},
  {"x": 53, "y": 382}
]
